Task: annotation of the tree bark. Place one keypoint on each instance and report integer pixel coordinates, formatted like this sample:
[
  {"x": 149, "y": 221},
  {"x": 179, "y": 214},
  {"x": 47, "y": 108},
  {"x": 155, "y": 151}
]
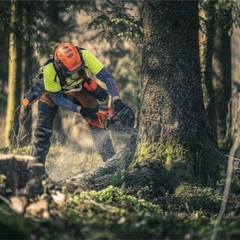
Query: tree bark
[{"x": 174, "y": 131}]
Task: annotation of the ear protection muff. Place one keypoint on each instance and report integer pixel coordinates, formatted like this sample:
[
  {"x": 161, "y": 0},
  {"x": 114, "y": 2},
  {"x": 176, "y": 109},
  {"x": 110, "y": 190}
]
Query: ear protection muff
[{"x": 59, "y": 66}]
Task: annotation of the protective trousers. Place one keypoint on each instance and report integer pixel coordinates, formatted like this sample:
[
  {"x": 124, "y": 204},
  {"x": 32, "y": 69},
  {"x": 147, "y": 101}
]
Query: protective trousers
[{"x": 47, "y": 111}]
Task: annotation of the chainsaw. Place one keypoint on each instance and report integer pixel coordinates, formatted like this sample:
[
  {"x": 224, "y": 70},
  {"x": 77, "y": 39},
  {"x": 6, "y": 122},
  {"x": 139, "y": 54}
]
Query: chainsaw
[{"x": 109, "y": 119}]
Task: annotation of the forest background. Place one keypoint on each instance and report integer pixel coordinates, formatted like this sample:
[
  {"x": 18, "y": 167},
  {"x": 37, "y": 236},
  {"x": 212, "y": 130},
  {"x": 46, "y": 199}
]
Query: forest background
[
  {"x": 34, "y": 40},
  {"x": 112, "y": 30}
]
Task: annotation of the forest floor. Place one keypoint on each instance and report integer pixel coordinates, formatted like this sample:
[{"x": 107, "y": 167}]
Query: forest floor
[{"x": 114, "y": 212}]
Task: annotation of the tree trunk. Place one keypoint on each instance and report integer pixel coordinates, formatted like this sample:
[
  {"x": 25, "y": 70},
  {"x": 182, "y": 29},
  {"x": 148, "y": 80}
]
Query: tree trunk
[
  {"x": 12, "y": 75},
  {"x": 4, "y": 49},
  {"x": 174, "y": 131},
  {"x": 26, "y": 112},
  {"x": 207, "y": 33},
  {"x": 12, "y": 133},
  {"x": 233, "y": 121},
  {"x": 222, "y": 73}
]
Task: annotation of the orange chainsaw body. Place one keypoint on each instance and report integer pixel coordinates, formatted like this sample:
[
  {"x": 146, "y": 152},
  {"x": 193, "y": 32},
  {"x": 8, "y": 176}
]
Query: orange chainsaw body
[{"x": 104, "y": 116}]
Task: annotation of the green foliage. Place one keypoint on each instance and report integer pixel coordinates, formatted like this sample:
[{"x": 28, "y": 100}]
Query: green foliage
[
  {"x": 5, "y": 7},
  {"x": 222, "y": 10},
  {"x": 116, "y": 22},
  {"x": 116, "y": 197},
  {"x": 235, "y": 12},
  {"x": 36, "y": 25}
]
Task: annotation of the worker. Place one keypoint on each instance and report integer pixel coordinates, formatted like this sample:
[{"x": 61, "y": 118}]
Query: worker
[{"x": 64, "y": 82}]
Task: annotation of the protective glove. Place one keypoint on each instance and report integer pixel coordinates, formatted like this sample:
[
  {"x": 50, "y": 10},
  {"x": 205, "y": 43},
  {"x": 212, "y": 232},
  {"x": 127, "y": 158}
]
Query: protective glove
[
  {"x": 118, "y": 105},
  {"x": 88, "y": 112}
]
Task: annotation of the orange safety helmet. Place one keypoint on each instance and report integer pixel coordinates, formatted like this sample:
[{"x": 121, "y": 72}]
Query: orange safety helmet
[{"x": 67, "y": 58}]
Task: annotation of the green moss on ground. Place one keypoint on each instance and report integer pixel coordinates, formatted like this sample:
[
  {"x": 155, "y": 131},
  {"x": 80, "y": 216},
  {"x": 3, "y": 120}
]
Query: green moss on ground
[{"x": 113, "y": 214}]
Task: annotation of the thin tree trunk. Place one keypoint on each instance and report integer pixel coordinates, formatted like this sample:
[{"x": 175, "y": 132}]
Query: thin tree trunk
[
  {"x": 26, "y": 112},
  {"x": 207, "y": 43},
  {"x": 222, "y": 73},
  {"x": 12, "y": 75}
]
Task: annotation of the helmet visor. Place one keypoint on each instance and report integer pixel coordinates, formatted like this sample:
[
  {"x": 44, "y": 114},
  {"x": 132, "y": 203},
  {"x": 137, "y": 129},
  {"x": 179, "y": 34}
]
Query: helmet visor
[{"x": 73, "y": 75}]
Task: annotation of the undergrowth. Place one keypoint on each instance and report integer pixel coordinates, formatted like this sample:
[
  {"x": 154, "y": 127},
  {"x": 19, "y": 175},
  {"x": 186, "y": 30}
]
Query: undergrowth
[{"x": 115, "y": 213}]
